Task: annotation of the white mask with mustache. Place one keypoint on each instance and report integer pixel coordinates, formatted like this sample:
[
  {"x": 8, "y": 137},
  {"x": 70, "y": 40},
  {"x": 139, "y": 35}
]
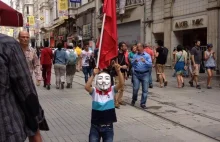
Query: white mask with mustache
[{"x": 103, "y": 81}]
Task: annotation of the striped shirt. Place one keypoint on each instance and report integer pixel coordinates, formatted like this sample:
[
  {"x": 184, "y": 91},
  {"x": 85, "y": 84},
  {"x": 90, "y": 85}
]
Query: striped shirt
[{"x": 103, "y": 107}]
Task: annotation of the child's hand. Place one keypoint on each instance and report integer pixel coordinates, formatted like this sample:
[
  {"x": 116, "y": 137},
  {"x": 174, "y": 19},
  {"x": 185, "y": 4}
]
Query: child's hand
[
  {"x": 117, "y": 67},
  {"x": 95, "y": 71}
]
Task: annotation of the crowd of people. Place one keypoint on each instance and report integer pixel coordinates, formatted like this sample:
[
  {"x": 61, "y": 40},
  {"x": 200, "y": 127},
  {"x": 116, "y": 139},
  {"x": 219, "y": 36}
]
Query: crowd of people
[{"x": 19, "y": 62}]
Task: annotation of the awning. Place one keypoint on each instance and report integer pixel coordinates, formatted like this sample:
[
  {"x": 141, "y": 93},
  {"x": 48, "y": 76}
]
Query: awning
[{"x": 56, "y": 25}]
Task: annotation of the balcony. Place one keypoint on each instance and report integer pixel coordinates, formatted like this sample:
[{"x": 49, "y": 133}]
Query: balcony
[
  {"x": 130, "y": 3},
  {"x": 44, "y": 4}
]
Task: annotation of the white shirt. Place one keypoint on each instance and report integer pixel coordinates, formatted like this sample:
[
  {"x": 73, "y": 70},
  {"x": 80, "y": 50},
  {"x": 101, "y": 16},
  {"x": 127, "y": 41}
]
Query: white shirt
[{"x": 85, "y": 56}]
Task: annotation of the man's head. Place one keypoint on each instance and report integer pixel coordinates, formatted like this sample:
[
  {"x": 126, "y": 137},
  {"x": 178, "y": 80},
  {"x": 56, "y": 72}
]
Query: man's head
[
  {"x": 197, "y": 43},
  {"x": 24, "y": 38},
  {"x": 86, "y": 46},
  {"x": 122, "y": 46},
  {"x": 160, "y": 43},
  {"x": 46, "y": 44},
  {"x": 103, "y": 81},
  {"x": 70, "y": 46},
  {"x": 209, "y": 46},
  {"x": 59, "y": 46},
  {"x": 140, "y": 48}
]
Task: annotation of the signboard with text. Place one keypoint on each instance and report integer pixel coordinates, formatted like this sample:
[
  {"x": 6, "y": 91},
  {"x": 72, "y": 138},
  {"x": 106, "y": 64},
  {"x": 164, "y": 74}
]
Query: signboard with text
[{"x": 75, "y": 1}]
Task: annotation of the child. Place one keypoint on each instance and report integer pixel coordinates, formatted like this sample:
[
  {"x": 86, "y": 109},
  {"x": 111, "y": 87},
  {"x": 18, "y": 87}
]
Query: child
[{"x": 103, "y": 107}]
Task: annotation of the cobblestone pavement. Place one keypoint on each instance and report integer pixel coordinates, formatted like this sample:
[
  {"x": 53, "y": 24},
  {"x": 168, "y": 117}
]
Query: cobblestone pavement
[{"x": 68, "y": 113}]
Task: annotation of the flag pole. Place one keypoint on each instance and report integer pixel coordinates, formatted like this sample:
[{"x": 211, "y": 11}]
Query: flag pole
[{"x": 100, "y": 40}]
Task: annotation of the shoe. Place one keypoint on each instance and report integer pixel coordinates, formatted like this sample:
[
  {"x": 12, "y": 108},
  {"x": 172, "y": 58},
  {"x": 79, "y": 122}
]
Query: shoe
[
  {"x": 183, "y": 84},
  {"x": 48, "y": 87},
  {"x": 57, "y": 87},
  {"x": 198, "y": 87},
  {"x": 191, "y": 83},
  {"x": 165, "y": 83},
  {"x": 62, "y": 85},
  {"x": 151, "y": 86},
  {"x": 71, "y": 85},
  {"x": 117, "y": 106},
  {"x": 68, "y": 85},
  {"x": 45, "y": 85},
  {"x": 132, "y": 103},
  {"x": 209, "y": 87},
  {"x": 143, "y": 107},
  {"x": 157, "y": 80},
  {"x": 122, "y": 103}
]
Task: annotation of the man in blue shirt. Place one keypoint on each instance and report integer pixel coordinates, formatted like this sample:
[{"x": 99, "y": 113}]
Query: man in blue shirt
[{"x": 141, "y": 64}]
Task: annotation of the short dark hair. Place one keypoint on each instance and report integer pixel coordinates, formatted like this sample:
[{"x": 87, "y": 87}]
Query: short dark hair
[
  {"x": 160, "y": 42},
  {"x": 196, "y": 41},
  {"x": 121, "y": 44},
  {"x": 46, "y": 44},
  {"x": 179, "y": 48},
  {"x": 59, "y": 45}
]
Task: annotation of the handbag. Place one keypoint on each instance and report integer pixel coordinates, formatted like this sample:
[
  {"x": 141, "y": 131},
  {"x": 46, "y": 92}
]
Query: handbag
[{"x": 178, "y": 61}]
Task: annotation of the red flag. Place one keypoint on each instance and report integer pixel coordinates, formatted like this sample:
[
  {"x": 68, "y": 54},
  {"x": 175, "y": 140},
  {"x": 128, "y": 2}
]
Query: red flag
[{"x": 109, "y": 49}]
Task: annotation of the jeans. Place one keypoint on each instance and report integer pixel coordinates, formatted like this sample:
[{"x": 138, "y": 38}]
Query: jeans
[
  {"x": 87, "y": 71},
  {"x": 98, "y": 132},
  {"x": 150, "y": 77},
  {"x": 144, "y": 80}
]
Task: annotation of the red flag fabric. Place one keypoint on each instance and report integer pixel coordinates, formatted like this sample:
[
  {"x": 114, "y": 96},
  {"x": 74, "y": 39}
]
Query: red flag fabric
[{"x": 109, "y": 49}]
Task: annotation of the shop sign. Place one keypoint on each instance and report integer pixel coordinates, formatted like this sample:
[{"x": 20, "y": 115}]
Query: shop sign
[
  {"x": 87, "y": 31},
  {"x": 190, "y": 23}
]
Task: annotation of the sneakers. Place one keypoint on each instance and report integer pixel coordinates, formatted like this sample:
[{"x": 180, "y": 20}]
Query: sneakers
[
  {"x": 151, "y": 86},
  {"x": 198, "y": 87},
  {"x": 68, "y": 85},
  {"x": 209, "y": 87},
  {"x": 191, "y": 83},
  {"x": 132, "y": 103},
  {"x": 143, "y": 106},
  {"x": 48, "y": 87},
  {"x": 62, "y": 85},
  {"x": 122, "y": 103},
  {"x": 165, "y": 83}
]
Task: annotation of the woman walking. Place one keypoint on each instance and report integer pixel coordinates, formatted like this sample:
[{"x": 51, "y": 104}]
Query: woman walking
[
  {"x": 60, "y": 59},
  {"x": 209, "y": 64},
  {"x": 179, "y": 67}
]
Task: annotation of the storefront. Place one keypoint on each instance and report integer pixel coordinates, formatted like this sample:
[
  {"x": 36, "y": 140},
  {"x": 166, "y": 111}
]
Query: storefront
[
  {"x": 187, "y": 30},
  {"x": 129, "y": 32}
]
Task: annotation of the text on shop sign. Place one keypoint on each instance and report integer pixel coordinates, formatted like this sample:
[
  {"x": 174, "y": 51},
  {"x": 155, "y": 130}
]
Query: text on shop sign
[{"x": 185, "y": 24}]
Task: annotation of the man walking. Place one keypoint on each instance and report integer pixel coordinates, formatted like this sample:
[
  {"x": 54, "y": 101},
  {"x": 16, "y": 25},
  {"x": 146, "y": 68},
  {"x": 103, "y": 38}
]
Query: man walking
[
  {"x": 31, "y": 55},
  {"x": 196, "y": 58},
  {"x": 161, "y": 55},
  {"x": 142, "y": 65},
  {"x": 46, "y": 62},
  {"x": 78, "y": 50},
  {"x": 123, "y": 61},
  {"x": 149, "y": 50},
  {"x": 71, "y": 65},
  {"x": 19, "y": 107}
]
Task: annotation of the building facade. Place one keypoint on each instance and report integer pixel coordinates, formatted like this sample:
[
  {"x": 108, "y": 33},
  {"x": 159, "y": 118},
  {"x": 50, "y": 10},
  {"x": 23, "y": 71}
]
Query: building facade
[
  {"x": 182, "y": 22},
  {"x": 130, "y": 24}
]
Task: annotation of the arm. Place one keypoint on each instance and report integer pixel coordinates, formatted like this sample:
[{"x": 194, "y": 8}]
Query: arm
[
  {"x": 88, "y": 85},
  {"x": 134, "y": 60},
  {"x": 37, "y": 70},
  {"x": 42, "y": 57},
  {"x": 156, "y": 53},
  {"x": 192, "y": 56},
  {"x": 121, "y": 79},
  {"x": 205, "y": 56}
]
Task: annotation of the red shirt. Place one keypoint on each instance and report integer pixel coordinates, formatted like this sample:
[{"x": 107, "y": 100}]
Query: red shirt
[
  {"x": 46, "y": 56},
  {"x": 150, "y": 52}
]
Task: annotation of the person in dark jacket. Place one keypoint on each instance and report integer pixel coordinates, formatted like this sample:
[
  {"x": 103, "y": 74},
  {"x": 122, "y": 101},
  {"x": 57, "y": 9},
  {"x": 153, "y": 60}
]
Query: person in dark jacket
[{"x": 18, "y": 96}]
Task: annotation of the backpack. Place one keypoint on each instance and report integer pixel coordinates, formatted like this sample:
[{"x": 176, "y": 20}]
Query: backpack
[
  {"x": 92, "y": 63},
  {"x": 165, "y": 53},
  {"x": 72, "y": 58}
]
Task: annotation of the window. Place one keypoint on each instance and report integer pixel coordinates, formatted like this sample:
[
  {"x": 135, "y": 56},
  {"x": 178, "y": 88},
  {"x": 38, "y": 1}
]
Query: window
[{"x": 27, "y": 9}]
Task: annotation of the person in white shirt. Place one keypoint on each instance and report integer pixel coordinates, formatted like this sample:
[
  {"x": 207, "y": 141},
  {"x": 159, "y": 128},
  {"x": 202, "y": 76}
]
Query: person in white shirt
[
  {"x": 71, "y": 64},
  {"x": 86, "y": 54}
]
